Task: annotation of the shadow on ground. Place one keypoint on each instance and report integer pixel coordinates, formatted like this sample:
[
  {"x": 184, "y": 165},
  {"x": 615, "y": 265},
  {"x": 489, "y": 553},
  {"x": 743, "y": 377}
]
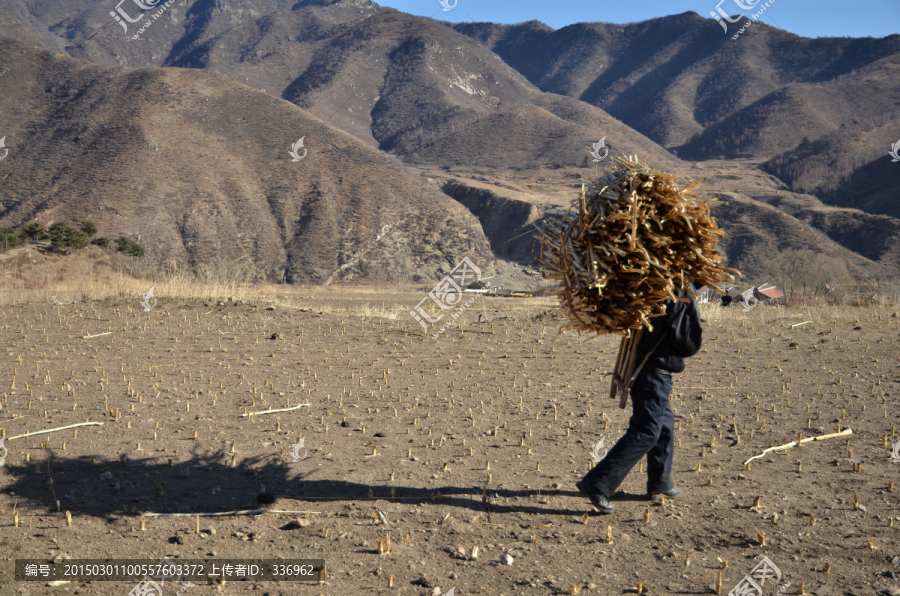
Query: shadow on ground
[{"x": 208, "y": 483}]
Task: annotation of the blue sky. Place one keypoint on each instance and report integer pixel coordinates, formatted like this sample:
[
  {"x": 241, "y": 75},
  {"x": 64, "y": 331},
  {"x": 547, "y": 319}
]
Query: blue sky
[{"x": 808, "y": 18}]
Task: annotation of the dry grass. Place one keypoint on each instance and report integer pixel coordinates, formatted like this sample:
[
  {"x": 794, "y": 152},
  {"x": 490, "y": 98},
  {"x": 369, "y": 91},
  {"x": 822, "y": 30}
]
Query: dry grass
[
  {"x": 123, "y": 287},
  {"x": 94, "y": 275},
  {"x": 780, "y": 315},
  {"x": 368, "y": 311}
]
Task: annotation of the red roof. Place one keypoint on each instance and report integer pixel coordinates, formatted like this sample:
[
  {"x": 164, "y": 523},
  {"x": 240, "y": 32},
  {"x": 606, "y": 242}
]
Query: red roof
[{"x": 772, "y": 293}]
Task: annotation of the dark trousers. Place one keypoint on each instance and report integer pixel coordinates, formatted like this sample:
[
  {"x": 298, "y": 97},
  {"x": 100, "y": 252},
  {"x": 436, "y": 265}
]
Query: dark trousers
[{"x": 651, "y": 432}]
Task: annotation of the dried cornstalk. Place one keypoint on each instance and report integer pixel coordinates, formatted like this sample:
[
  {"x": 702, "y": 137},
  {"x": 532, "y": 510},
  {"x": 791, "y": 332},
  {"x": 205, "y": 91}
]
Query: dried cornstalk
[
  {"x": 625, "y": 367},
  {"x": 798, "y": 443},
  {"x": 626, "y": 245}
]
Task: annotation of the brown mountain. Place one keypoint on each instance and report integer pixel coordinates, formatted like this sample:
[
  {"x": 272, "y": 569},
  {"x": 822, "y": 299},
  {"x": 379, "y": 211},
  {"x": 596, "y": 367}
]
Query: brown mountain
[
  {"x": 416, "y": 88},
  {"x": 675, "y": 77},
  {"x": 406, "y": 84},
  {"x": 849, "y": 167},
  {"x": 196, "y": 167},
  {"x": 760, "y": 215},
  {"x": 437, "y": 97},
  {"x": 16, "y": 23},
  {"x": 781, "y": 120},
  {"x": 513, "y": 110},
  {"x": 86, "y": 29},
  {"x": 679, "y": 80}
]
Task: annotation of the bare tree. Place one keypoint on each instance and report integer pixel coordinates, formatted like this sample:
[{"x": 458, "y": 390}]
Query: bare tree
[
  {"x": 791, "y": 268},
  {"x": 401, "y": 268},
  {"x": 831, "y": 278},
  {"x": 802, "y": 271}
]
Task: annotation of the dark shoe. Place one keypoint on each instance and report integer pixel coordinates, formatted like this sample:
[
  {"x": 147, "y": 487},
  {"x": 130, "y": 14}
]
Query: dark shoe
[
  {"x": 597, "y": 499},
  {"x": 670, "y": 494}
]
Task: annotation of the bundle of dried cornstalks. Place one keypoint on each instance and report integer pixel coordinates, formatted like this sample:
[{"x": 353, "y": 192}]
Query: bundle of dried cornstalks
[
  {"x": 623, "y": 373},
  {"x": 626, "y": 245}
]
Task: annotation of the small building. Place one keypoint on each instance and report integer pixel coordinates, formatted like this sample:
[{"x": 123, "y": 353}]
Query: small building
[
  {"x": 477, "y": 287},
  {"x": 770, "y": 294}
]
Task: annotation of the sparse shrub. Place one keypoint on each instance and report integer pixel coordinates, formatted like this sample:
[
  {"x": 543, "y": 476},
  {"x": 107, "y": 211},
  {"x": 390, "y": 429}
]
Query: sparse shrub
[
  {"x": 35, "y": 231},
  {"x": 102, "y": 242},
  {"x": 10, "y": 238},
  {"x": 63, "y": 237},
  {"x": 129, "y": 247},
  {"x": 89, "y": 229},
  {"x": 76, "y": 239},
  {"x": 59, "y": 234},
  {"x": 135, "y": 250}
]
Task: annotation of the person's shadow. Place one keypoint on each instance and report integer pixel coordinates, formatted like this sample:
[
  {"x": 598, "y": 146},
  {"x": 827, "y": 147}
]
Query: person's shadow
[{"x": 207, "y": 483}]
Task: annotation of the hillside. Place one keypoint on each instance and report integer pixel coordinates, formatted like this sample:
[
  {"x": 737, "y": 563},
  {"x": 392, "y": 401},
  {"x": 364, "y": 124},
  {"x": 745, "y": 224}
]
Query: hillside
[
  {"x": 678, "y": 80},
  {"x": 677, "y": 77},
  {"x": 90, "y": 33},
  {"x": 405, "y": 84},
  {"x": 415, "y": 88},
  {"x": 512, "y": 111},
  {"x": 196, "y": 167},
  {"x": 781, "y": 120},
  {"x": 759, "y": 213},
  {"x": 13, "y": 26},
  {"x": 847, "y": 168}
]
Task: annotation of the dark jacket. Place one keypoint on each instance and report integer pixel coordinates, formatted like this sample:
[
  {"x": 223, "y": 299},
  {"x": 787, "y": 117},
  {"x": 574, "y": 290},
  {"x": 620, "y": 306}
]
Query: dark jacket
[{"x": 684, "y": 334}]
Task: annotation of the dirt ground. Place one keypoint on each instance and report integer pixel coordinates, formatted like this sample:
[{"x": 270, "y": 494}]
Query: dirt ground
[{"x": 471, "y": 440}]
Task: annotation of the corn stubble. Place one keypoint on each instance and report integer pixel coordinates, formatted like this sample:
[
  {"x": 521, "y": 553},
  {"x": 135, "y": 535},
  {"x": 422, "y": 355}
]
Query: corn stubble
[
  {"x": 626, "y": 244},
  {"x": 531, "y": 436}
]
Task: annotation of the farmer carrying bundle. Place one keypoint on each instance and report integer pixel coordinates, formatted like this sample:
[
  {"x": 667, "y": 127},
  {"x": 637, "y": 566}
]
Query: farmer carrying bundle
[{"x": 628, "y": 256}]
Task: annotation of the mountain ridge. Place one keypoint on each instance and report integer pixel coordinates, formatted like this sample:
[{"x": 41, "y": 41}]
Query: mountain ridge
[
  {"x": 524, "y": 104},
  {"x": 196, "y": 167}
]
